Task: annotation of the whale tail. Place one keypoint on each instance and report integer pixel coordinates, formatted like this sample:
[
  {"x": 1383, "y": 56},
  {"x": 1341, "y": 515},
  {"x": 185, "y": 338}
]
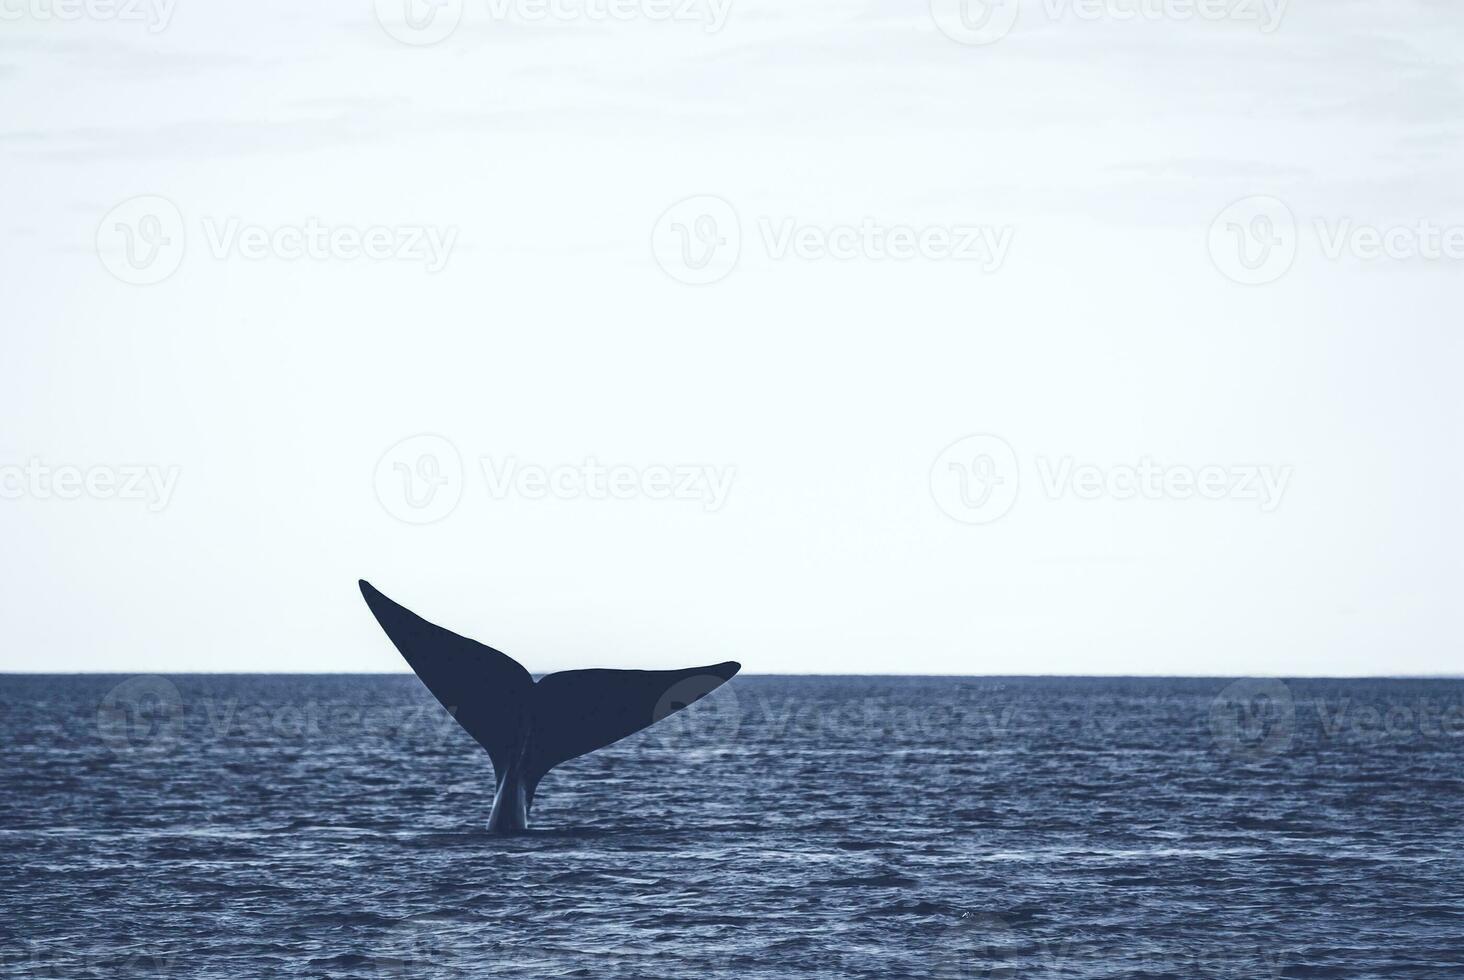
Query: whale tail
[{"x": 529, "y": 728}]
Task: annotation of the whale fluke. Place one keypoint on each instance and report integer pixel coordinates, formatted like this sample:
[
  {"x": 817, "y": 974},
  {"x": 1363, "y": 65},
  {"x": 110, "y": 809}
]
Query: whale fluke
[{"x": 529, "y": 728}]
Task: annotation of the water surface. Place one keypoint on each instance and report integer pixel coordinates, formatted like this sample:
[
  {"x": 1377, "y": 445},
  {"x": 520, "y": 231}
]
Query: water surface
[{"x": 213, "y": 826}]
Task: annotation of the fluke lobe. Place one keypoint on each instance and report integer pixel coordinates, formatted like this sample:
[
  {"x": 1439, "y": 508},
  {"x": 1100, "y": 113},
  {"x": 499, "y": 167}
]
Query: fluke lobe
[{"x": 529, "y": 728}]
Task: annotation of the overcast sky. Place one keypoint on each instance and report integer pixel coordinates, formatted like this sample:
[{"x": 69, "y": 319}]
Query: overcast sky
[{"x": 862, "y": 337}]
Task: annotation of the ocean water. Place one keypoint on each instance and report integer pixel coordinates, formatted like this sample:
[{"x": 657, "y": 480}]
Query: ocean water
[{"x": 300, "y": 826}]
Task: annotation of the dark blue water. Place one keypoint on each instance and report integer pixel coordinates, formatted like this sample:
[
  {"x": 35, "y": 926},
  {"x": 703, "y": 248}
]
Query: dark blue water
[{"x": 262, "y": 826}]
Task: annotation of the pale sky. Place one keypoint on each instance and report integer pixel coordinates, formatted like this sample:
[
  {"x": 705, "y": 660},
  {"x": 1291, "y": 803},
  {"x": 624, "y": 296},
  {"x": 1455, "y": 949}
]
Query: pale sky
[{"x": 779, "y": 424}]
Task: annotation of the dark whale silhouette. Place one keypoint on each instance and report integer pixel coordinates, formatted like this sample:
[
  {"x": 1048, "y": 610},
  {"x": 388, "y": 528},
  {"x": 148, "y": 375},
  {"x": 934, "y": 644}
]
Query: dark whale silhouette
[{"x": 529, "y": 728}]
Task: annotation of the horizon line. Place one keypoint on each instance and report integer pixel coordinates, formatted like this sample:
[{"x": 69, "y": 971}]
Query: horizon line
[{"x": 537, "y": 673}]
